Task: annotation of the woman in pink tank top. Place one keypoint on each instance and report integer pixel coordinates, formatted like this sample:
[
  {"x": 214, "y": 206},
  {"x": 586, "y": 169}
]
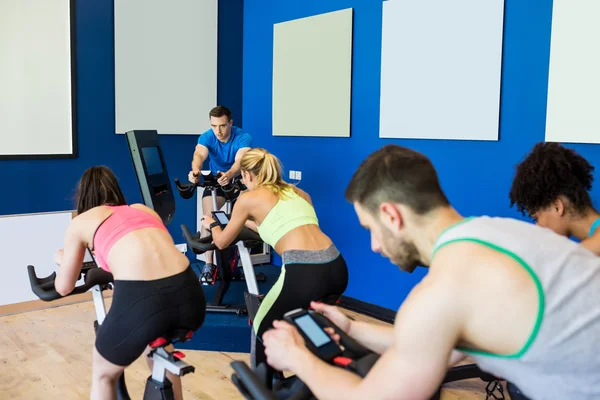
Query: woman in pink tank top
[{"x": 155, "y": 289}]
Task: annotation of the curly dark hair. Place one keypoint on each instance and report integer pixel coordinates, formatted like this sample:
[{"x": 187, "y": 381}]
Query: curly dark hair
[{"x": 549, "y": 171}]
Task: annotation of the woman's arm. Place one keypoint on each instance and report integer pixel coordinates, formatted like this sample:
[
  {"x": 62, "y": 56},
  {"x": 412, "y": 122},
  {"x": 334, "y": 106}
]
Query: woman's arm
[
  {"x": 252, "y": 225},
  {"x": 71, "y": 259},
  {"x": 222, "y": 238}
]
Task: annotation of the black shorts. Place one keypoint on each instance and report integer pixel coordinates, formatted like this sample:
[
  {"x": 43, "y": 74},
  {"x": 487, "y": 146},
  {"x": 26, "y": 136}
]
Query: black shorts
[
  {"x": 208, "y": 193},
  {"x": 143, "y": 311},
  {"x": 220, "y": 193},
  {"x": 305, "y": 276}
]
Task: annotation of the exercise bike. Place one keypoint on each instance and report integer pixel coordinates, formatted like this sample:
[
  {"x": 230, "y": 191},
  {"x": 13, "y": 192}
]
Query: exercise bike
[
  {"x": 227, "y": 259},
  {"x": 256, "y": 384},
  {"x": 158, "y": 386}
]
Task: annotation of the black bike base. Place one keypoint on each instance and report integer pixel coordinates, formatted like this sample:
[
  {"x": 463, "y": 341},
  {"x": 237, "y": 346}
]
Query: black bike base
[
  {"x": 158, "y": 390},
  {"x": 260, "y": 277},
  {"x": 227, "y": 309}
]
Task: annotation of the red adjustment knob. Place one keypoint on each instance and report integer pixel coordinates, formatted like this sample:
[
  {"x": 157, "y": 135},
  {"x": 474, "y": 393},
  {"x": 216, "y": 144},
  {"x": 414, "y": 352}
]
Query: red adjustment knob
[
  {"x": 158, "y": 342},
  {"x": 342, "y": 361},
  {"x": 189, "y": 335},
  {"x": 179, "y": 355}
]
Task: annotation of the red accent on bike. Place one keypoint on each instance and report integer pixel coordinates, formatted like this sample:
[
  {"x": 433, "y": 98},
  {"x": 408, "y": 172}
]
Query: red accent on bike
[
  {"x": 342, "y": 361},
  {"x": 158, "y": 342}
]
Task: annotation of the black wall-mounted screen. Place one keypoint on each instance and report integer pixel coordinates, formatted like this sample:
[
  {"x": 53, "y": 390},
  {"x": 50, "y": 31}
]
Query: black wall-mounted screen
[{"x": 152, "y": 160}]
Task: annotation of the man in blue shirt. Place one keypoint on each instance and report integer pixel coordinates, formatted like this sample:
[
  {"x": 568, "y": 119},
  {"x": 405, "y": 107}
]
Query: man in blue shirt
[{"x": 224, "y": 144}]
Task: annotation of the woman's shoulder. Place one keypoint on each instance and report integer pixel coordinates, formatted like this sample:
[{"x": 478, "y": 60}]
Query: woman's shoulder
[
  {"x": 145, "y": 208},
  {"x": 302, "y": 194},
  {"x": 254, "y": 196},
  {"x": 89, "y": 220},
  {"x": 256, "y": 199},
  {"x": 93, "y": 213}
]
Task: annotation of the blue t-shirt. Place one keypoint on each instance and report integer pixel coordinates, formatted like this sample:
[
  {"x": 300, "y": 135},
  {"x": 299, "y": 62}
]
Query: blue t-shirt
[{"x": 222, "y": 155}]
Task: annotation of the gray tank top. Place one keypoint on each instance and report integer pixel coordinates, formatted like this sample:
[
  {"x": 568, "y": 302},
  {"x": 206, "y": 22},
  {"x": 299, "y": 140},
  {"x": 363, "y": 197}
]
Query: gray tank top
[{"x": 561, "y": 359}]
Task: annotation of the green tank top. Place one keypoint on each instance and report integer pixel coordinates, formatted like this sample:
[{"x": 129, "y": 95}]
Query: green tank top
[
  {"x": 289, "y": 212},
  {"x": 561, "y": 359}
]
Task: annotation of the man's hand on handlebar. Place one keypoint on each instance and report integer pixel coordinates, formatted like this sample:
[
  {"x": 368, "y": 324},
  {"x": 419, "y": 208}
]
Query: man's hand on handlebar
[
  {"x": 333, "y": 314},
  {"x": 223, "y": 178},
  {"x": 193, "y": 176},
  {"x": 284, "y": 346}
]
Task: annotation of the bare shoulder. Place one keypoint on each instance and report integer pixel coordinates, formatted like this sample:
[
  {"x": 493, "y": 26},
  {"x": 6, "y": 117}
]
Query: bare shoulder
[
  {"x": 303, "y": 194},
  {"x": 592, "y": 243},
  {"x": 253, "y": 199},
  {"x": 92, "y": 215},
  {"x": 490, "y": 280},
  {"x": 145, "y": 208},
  {"x": 441, "y": 297},
  {"x": 482, "y": 272},
  {"x": 468, "y": 256},
  {"x": 85, "y": 223}
]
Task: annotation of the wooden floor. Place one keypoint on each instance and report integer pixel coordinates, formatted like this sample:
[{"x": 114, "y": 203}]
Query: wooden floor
[{"x": 46, "y": 354}]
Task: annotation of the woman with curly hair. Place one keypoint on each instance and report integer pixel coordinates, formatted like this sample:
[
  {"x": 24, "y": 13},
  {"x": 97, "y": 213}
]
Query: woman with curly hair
[{"x": 552, "y": 186}]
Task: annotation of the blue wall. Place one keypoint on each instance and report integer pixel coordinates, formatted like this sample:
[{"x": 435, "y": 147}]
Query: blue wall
[
  {"x": 48, "y": 185},
  {"x": 475, "y": 175}
]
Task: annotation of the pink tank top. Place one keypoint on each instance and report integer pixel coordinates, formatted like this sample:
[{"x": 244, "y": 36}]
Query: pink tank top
[{"x": 124, "y": 219}]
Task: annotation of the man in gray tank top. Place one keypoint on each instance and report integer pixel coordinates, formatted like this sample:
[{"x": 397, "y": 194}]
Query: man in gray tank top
[{"x": 520, "y": 300}]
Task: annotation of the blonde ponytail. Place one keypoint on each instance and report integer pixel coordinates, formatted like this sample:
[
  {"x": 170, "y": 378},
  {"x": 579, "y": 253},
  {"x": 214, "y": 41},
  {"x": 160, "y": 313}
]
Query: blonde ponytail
[{"x": 267, "y": 170}]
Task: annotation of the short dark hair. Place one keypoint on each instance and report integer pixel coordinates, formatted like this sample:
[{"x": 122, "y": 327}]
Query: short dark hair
[
  {"x": 397, "y": 174},
  {"x": 98, "y": 186},
  {"x": 220, "y": 111},
  {"x": 549, "y": 171}
]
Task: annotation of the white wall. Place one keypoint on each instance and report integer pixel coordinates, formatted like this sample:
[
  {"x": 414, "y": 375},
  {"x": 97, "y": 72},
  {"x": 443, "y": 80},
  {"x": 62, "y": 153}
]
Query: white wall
[
  {"x": 440, "y": 69},
  {"x": 35, "y": 78},
  {"x": 165, "y": 65},
  {"x": 574, "y": 81},
  {"x": 312, "y": 71},
  {"x": 28, "y": 239}
]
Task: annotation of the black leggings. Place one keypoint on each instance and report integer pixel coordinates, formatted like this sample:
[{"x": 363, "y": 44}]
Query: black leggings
[
  {"x": 305, "y": 276},
  {"x": 142, "y": 311}
]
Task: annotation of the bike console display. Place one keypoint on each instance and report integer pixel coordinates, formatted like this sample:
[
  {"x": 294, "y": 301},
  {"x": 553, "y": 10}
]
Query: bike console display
[
  {"x": 317, "y": 340},
  {"x": 152, "y": 173}
]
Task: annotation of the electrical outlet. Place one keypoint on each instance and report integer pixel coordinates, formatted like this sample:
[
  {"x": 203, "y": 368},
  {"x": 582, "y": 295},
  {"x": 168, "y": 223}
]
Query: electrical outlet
[
  {"x": 182, "y": 247},
  {"x": 298, "y": 175},
  {"x": 292, "y": 174}
]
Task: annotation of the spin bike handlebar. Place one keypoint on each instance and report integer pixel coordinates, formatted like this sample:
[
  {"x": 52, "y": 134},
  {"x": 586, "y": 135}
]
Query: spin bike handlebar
[
  {"x": 45, "y": 290},
  {"x": 203, "y": 244},
  {"x": 209, "y": 182},
  {"x": 355, "y": 358}
]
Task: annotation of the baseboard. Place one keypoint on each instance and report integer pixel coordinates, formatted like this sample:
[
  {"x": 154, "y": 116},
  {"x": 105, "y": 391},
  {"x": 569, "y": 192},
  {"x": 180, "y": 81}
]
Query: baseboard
[
  {"x": 36, "y": 305},
  {"x": 372, "y": 310}
]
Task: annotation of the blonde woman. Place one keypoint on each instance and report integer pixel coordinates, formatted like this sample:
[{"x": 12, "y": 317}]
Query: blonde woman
[{"x": 283, "y": 215}]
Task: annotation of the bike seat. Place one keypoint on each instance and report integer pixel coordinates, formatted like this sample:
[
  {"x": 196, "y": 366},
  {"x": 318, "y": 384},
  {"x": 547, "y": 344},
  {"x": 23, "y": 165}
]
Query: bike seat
[{"x": 179, "y": 335}]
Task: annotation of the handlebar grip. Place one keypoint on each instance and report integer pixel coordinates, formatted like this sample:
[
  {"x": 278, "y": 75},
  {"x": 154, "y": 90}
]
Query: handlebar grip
[
  {"x": 187, "y": 190},
  {"x": 199, "y": 246},
  {"x": 44, "y": 287},
  {"x": 252, "y": 384}
]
